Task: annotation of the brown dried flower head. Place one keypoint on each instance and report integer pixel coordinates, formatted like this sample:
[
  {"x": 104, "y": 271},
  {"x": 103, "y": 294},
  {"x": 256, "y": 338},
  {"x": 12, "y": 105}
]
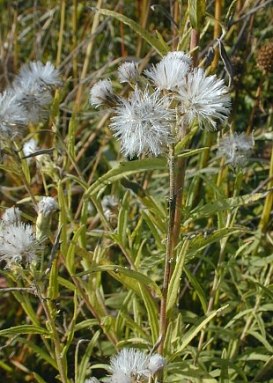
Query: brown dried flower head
[{"x": 265, "y": 57}]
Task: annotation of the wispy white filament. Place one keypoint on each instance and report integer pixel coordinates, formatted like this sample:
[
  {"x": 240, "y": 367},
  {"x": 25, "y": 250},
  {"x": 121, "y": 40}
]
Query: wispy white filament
[{"x": 143, "y": 123}]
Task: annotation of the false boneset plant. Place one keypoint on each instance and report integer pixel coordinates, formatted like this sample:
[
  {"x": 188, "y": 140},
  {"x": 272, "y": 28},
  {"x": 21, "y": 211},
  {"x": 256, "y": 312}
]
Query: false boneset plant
[{"x": 165, "y": 104}]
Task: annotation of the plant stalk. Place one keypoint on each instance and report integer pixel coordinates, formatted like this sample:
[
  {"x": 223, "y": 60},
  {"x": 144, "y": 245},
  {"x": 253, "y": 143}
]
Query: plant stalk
[{"x": 169, "y": 249}]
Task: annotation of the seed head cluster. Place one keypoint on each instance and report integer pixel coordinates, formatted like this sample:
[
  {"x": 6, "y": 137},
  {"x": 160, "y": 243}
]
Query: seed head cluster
[{"x": 169, "y": 97}]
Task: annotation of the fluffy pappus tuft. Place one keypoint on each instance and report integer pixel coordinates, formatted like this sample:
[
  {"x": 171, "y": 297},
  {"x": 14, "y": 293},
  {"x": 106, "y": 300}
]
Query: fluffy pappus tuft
[
  {"x": 47, "y": 206},
  {"x": 143, "y": 123},
  {"x": 11, "y": 215},
  {"x": 204, "y": 98},
  {"x": 102, "y": 94},
  {"x": 18, "y": 244},
  {"x": 236, "y": 149},
  {"x": 128, "y": 72},
  {"x": 13, "y": 115},
  {"x": 170, "y": 71},
  {"x": 45, "y": 75}
]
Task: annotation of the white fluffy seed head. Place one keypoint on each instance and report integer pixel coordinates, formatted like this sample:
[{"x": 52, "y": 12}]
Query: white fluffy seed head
[
  {"x": 180, "y": 55},
  {"x": 47, "y": 206},
  {"x": 13, "y": 115},
  {"x": 143, "y": 123},
  {"x": 129, "y": 362},
  {"x": 131, "y": 365},
  {"x": 35, "y": 72},
  {"x": 120, "y": 377},
  {"x": 156, "y": 363},
  {"x": 18, "y": 244},
  {"x": 128, "y": 72},
  {"x": 204, "y": 98},
  {"x": 170, "y": 71},
  {"x": 236, "y": 149},
  {"x": 35, "y": 100},
  {"x": 92, "y": 380},
  {"x": 102, "y": 93},
  {"x": 11, "y": 215}
]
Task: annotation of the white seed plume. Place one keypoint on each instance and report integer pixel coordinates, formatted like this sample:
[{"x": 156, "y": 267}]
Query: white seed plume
[
  {"x": 128, "y": 72},
  {"x": 204, "y": 98},
  {"x": 128, "y": 363},
  {"x": 156, "y": 363},
  {"x": 102, "y": 93},
  {"x": 46, "y": 75},
  {"x": 236, "y": 149},
  {"x": 33, "y": 87},
  {"x": 13, "y": 116},
  {"x": 131, "y": 365},
  {"x": 47, "y": 206},
  {"x": 180, "y": 55},
  {"x": 18, "y": 244},
  {"x": 35, "y": 100},
  {"x": 11, "y": 215},
  {"x": 143, "y": 123},
  {"x": 170, "y": 71},
  {"x": 92, "y": 380}
]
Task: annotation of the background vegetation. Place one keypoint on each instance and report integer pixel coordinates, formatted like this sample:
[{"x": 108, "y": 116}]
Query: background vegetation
[{"x": 102, "y": 290}]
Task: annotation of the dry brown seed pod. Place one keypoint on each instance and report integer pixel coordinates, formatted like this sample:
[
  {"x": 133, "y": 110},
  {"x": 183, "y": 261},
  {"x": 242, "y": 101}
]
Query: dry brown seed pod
[{"x": 265, "y": 57}]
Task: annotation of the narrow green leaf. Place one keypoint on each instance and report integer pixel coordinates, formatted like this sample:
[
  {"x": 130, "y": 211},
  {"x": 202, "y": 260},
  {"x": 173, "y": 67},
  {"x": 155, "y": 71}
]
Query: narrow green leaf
[
  {"x": 152, "y": 313},
  {"x": 87, "y": 323},
  {"x": 174, "y": 285},
  {"x": 123, "y": 219},
  {"x": 197, "y": 12},
  {"x": 198, "y": 289},
  {"x": 125, "y": 169},
  {"x": 132, "y": 274},
  {"x": 40, "y": 352},
  {"x": 53, "y": 289},
  {"x": 203, "y": 239},
  {"x": 158, "y": 44},
  {"x": 23, "y": 329},
  {"x": 188, "y": 337},
  {"x": 82, "y": 369},
  {"x": 226, "y": 204},
  {"x": 70, "y": 257},
  {"x": 38, "y": 378}
]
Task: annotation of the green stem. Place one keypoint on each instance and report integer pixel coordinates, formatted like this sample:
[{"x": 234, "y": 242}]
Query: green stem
[
  {"x": 49, "y": 311},
  {"x": 169, "y": 250}
]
